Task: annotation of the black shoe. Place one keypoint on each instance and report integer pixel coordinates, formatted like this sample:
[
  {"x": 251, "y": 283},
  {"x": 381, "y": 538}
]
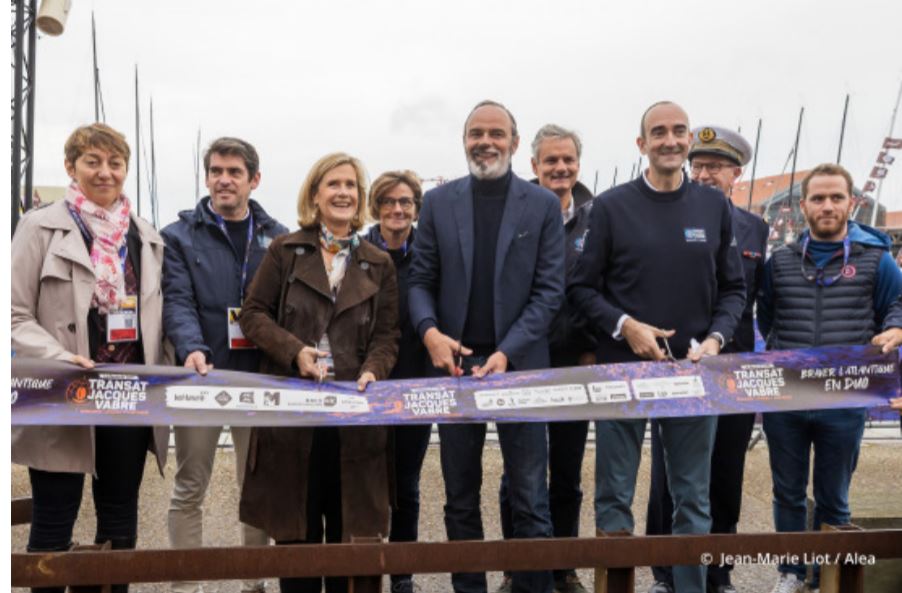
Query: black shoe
[
  {"x": 569, "y": 584},
  {"x": 403, "y": 586},
  {"x": 660, "y": 587}
]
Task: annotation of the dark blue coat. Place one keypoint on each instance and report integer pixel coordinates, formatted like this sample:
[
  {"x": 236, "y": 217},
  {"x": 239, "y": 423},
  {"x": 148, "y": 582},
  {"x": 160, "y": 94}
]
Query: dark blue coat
[
  {"x": 570, "y": 336},
  {"x": 202, "y": 278},
  {"x": 529, "y": 267},
  {"x": 751, "y": 233},
  {"x": 412, "y": 356}
]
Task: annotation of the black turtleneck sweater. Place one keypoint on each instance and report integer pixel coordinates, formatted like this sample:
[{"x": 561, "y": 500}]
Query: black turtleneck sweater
[
  {"x": 489, "y": 196},
  {"x": 663, "y": 258}
]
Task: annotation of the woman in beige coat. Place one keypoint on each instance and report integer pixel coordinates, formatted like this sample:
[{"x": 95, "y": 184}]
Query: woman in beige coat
[{"x": 85, "y": 289}]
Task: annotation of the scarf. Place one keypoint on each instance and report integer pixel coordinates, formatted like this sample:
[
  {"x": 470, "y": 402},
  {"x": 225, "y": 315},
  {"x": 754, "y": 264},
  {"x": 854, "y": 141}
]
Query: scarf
[
  {"x": 341, "y": 248},
  {"x": 108, "y": 230}
]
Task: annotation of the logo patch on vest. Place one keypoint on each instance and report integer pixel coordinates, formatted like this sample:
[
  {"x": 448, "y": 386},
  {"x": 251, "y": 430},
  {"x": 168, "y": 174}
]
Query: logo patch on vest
[
  {"x": 695, "y": 235},
  {"x": 848, "y": 271}
]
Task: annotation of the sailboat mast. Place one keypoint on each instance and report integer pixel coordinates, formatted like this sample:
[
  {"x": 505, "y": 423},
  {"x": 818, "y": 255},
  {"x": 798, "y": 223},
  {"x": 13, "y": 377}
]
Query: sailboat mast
[
  {"x": 795, "y": 154},
  {"x": 137, "y": 145},
  {"x": 842, "y": 130},
  {"x": 754, "y": 165},
  {"x": 889, "y": 134}
]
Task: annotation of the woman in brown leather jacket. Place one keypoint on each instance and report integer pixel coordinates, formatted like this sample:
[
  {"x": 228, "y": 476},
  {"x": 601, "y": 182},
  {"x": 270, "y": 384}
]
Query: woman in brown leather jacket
[{"x": 323, "y": 304}]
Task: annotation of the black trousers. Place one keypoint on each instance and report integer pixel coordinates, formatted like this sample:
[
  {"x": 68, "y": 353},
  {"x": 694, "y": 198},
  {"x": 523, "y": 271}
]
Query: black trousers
[
  {"x": 323, "y": 509},
  {"x": 727, "y": 470},
  {"x": 566, "y": 449},
  {"x": 120, "y": 456},
  {"x": 411, "y": 443}
]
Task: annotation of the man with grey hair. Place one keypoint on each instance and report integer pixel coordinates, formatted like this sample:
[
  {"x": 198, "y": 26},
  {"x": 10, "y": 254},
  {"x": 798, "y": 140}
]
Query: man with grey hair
[
  {"x": 556, "y": 153},
  {"x": 478, "y": 313}
]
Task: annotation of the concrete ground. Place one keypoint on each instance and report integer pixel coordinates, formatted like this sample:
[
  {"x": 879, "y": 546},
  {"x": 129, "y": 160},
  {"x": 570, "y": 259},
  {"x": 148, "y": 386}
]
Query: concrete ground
[{"x": 876, "y": 486}]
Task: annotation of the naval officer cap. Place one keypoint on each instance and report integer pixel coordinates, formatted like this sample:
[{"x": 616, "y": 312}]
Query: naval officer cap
[{"x": 721, "y": 142}]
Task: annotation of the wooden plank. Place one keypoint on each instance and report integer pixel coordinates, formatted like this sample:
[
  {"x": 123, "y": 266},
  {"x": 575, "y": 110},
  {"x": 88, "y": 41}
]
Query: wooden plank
[
  {"x": 238, "y": 563},
  {"x": 21, "y": 511}
]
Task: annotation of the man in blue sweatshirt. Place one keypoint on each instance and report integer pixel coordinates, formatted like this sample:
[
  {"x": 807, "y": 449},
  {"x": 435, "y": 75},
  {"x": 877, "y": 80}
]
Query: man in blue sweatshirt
[
  {"x": 658, "y": 270},
  {"x": 834, "y": 286}
]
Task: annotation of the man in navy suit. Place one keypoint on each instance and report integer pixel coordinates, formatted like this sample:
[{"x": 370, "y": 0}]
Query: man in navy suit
[{"x": 486, "y": 280}]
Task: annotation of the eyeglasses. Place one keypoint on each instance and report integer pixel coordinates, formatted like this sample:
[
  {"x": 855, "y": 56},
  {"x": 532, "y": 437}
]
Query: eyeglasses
[
  {"x": 405, "y": 203},
  {"x": 713, "y": 168}
]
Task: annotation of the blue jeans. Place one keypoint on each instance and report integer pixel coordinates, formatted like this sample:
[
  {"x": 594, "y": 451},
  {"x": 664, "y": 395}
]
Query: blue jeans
[
  {"x": 566, "y": 449},
  {"x": 687, "y": 455},
  {"x": 836, "y": 437},
  {"x": 411, "y": 442},
  {"x": 525, "y": 452}
]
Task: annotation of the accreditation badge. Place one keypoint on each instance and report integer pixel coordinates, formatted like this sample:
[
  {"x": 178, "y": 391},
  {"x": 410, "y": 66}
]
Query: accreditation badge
[
  {"x": 122, "y": 321},
  {"x": 237, "y": 341}
]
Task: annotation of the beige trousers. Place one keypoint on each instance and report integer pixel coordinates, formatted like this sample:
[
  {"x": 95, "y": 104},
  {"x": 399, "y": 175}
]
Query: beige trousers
[{"x": 195, "y": 450}]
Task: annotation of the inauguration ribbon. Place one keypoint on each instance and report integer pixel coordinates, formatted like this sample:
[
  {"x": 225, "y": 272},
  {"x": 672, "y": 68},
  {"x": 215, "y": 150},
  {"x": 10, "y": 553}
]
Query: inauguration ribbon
[{"x": 47, "y": 392}]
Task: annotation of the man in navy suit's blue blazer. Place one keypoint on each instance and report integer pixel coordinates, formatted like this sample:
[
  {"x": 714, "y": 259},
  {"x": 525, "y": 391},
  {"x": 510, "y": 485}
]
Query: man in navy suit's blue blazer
[{"x": 486, "y": 280}]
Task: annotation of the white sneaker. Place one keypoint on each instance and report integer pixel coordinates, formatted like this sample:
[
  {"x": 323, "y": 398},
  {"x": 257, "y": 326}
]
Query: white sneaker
[{"x": 788, "y": 583}]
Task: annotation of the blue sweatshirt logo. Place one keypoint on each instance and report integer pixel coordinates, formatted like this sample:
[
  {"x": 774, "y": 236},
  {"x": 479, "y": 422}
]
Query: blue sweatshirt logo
[{"x": 694, "y": 235}]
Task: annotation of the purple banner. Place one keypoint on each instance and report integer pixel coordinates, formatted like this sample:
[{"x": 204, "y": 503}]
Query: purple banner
[{"x": 46, "y": 392}]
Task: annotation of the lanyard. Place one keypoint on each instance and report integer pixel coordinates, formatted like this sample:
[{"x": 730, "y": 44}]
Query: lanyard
[
  {"x": 86, "y": 233},
  {"x": 247, "y": 251},
  {"x": 818, "y": 276}
]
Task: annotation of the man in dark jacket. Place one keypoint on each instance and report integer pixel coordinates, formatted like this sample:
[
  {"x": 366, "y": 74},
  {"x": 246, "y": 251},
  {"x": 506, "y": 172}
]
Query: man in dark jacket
[
  {"x": 716, "y": 158},
  {"x": 212, "y": 253},
  {"x": 486, "y": 281},
  {"x": 834, "y": 286},
  {"x": 657, "y": 273},
  {"x": 555, "y": 160}
]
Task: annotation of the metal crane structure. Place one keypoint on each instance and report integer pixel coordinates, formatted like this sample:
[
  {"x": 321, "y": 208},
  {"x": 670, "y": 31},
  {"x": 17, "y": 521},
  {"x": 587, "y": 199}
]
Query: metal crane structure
[{"x": 24, "y": 38}]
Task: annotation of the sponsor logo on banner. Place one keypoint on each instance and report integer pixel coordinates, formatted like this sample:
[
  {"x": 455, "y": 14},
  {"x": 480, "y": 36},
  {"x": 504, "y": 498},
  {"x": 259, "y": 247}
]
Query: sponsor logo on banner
[
  {"x": 760, "y": 381},
  {"x": 430, "y": 402},
  {"x": 669, "y": 387},
  {"x": 518, "y": 398},
  {"x": 121, "y": 393},
  {"x": 77, "y": 391},
  {"x": 204, "y": 398},
  {"x": 609, "y": 392}
]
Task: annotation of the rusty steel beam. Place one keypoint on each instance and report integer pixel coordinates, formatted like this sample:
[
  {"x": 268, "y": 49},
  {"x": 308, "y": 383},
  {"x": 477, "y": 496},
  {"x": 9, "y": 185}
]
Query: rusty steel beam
[
  {"x": 21, "y": 511},
  {"x": 149, "y": 566}
]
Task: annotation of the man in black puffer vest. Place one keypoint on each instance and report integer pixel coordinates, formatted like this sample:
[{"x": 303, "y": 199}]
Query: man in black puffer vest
[{"x": 833, "y": 287}]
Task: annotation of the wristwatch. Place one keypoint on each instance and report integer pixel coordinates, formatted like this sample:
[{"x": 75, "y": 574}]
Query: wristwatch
[{"x": 719, "y": 337}]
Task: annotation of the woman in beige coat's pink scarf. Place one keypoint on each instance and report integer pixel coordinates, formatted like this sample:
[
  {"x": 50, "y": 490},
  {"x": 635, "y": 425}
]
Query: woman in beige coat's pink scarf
[{"x": 86, "y": 289}]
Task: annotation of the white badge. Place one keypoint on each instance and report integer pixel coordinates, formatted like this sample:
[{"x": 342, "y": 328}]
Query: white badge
[
  {"x": 122, "y": 322},
  {"x": 237, "y": 341}
]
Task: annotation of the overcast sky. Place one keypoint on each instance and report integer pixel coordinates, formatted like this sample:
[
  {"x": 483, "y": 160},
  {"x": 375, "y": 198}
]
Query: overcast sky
[{"x": 391, "y": 82}]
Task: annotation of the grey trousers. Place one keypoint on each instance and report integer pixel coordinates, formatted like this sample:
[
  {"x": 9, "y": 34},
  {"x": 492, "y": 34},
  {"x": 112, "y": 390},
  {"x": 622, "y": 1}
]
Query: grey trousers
[
  {"x": 195, "y": 449},
  {"x": 687, "y": 456}
]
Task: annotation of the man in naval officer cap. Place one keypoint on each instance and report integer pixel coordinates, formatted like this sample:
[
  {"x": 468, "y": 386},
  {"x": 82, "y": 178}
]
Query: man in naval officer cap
[{"x": 716, "y": 158}]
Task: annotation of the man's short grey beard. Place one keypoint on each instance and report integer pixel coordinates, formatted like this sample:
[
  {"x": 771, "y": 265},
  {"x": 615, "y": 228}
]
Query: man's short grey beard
[{"x": 499, "y": 169}]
